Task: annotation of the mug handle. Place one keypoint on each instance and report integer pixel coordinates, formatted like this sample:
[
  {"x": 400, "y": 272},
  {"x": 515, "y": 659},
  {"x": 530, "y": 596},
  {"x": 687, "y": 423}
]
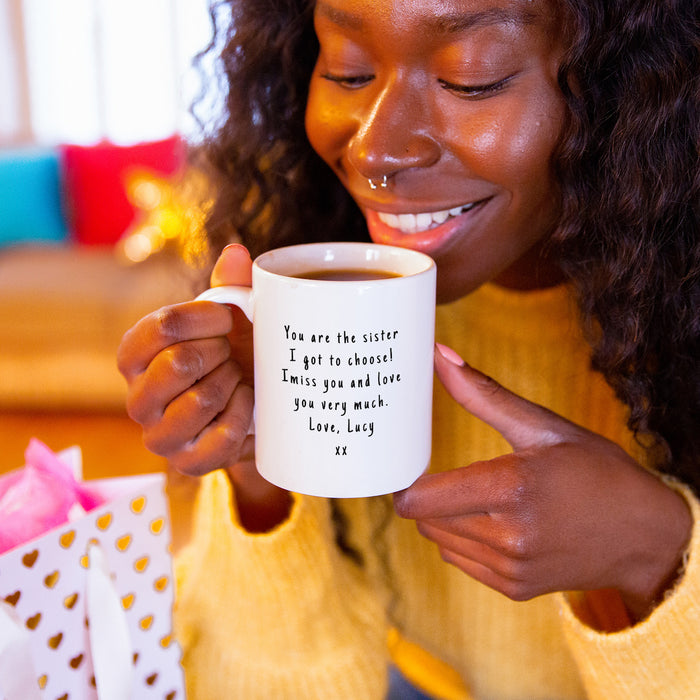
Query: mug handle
[{"x": 242, "y": 297}]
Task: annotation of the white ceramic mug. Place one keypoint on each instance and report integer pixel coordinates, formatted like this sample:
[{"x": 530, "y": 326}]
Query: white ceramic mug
[{"x": 343, "y": 368}]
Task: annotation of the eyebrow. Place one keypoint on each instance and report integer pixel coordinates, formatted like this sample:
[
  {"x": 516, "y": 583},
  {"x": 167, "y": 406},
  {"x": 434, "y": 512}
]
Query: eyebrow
[
  {"x": 461, "y": 21},
  {"x": 452, "y": 23},
  {"x": 340, "y": 17}
]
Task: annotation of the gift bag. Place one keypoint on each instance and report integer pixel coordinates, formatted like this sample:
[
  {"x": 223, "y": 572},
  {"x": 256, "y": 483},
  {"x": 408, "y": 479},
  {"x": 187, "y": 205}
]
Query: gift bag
[{"x": 86, "y": 608}]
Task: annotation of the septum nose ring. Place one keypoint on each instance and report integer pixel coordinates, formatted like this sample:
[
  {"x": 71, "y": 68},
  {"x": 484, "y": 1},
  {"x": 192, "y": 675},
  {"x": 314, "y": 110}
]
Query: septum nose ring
[{"x": 373, "y": 185}]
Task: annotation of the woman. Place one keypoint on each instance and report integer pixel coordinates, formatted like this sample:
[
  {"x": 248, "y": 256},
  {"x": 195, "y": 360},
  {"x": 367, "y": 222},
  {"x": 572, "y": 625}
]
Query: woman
[{"x": 539, "y": 152}]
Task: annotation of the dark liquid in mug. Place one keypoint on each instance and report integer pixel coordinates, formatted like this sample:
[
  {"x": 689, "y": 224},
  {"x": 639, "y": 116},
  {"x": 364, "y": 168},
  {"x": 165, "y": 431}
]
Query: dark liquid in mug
[{"x": 347, "y": 275}]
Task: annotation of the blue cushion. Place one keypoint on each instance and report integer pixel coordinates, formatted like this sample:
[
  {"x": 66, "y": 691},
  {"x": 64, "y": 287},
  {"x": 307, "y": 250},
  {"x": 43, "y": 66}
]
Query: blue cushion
[{"x": 30, "y": 196}]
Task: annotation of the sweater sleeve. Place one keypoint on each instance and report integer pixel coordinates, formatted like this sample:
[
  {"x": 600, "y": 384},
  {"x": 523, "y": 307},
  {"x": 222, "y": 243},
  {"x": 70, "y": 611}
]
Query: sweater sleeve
[
  {"x": 277, "y": 615},
  {"x": 656, "y": 658}
]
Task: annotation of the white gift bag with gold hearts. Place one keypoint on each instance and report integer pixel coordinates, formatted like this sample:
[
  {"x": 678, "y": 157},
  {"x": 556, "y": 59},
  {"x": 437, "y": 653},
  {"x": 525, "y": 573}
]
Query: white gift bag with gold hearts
[{"x": 86, "y": 609}]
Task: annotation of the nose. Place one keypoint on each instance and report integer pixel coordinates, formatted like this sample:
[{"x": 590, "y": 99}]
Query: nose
[{"x": 394, "y": 133}]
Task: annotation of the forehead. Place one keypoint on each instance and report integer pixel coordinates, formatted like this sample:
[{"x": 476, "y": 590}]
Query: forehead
[
  {"x": 416, "y": 29},
  {"x": 435, "y": 15}
]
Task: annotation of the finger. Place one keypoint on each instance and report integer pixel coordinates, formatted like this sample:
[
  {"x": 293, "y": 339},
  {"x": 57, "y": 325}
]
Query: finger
[
  {"x": 478, "y": 529},
  {"x": 522, "y": 423},
  {"x": 480, "y": 562},
  {"x": 515, "y": 589},
  {"x": 224, "y": 442},
  {"x": 508, "y": 567},
  {"x": 494, "y": 486},
  {"x": 188, "y": 415},
  {"x": 501, "y": 535},
  {"x": 166, "y": 327},
  {"x": 171, "y": 373},
  {"x": 234, "y": 266},
  {"x": 241, "y": 343}
]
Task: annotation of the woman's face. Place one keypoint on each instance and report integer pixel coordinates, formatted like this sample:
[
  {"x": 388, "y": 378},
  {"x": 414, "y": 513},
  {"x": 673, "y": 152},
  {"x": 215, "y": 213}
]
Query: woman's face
[{"x": 456, "y": 103}]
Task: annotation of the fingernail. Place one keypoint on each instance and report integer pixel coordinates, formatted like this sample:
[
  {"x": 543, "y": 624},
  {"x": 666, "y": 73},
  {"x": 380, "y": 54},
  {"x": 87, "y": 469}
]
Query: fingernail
[
  {"x": 450, "y": 355},
  {"x": 233, "y": 246}
]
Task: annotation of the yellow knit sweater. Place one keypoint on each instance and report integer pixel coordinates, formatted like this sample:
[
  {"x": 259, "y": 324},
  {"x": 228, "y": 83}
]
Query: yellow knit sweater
[{"x": 286, "y": 615}]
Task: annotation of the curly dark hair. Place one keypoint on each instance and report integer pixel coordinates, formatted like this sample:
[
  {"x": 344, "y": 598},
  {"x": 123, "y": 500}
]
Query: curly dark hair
[
  {"x": 629, "y": 234},
  {"x": 271, "y": 187}
]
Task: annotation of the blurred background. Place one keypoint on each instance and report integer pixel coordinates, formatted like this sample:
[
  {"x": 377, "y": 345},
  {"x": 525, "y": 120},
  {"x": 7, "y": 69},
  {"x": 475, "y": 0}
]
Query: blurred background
[
  {"x": 80, "y": 71},
  {"x": 99, "y": 215}
]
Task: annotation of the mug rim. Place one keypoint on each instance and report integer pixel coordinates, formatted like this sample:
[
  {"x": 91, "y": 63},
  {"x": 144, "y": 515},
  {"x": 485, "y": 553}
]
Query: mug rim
[{"x": 285, "y": 262}]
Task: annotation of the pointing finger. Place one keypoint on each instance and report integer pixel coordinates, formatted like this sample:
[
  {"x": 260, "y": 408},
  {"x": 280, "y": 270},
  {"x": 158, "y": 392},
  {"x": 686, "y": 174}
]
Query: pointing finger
[
  {"x": 483, "y": 487},
  {"x": 522, "y": 423}
]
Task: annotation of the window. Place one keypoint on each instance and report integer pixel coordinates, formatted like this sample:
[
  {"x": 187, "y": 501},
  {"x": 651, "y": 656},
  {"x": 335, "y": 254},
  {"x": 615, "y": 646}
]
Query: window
[{"x": 84, "y": 70}]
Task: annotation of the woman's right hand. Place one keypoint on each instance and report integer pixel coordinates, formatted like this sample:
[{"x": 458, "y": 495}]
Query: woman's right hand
[{"x": 189, "y": 371}]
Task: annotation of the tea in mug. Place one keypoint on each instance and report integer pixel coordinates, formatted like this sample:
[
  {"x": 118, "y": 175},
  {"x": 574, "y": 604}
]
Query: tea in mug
[{"x": 347, "y": 274}]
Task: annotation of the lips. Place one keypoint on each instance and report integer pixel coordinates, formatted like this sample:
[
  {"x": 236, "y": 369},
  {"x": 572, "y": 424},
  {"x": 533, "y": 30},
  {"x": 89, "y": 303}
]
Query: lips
[{"x": 424, "y": 231}]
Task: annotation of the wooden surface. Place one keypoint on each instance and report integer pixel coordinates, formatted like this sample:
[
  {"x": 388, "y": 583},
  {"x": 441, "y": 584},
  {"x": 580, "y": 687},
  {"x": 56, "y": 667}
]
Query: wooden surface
[{"x": 111, "y": 446}]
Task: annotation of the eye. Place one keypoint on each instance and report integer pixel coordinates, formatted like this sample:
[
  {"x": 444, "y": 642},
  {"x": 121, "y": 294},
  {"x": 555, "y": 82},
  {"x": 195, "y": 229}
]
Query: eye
[
  {"x": 350, "y": 82},
  {"x": 475, "y": 92}
]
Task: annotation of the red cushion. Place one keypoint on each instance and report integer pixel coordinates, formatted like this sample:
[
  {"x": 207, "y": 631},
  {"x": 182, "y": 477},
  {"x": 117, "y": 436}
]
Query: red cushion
[{"x": 95, "y": 184}]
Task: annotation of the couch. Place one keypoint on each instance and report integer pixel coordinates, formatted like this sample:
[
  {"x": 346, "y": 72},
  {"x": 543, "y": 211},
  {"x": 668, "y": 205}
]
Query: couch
[{"x": 65, "y": 302}]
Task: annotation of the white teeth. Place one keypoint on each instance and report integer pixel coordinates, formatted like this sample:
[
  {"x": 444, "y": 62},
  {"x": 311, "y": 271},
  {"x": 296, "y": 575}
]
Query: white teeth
[
  {"x": 390, "y": 220},
  {"x": 423, "y": 220},
  {"x": 415, "y": 223},
  {"x": 407, "y": 222}
]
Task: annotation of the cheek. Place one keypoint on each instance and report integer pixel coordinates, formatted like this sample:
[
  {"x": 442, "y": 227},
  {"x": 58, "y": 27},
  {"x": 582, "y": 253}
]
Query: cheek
[
  {"x": 315, "y": 123},
  {"x": 533, "y": 145},
  {"x": 326, "y": 126},
  {"x": 509, "y": 147}
]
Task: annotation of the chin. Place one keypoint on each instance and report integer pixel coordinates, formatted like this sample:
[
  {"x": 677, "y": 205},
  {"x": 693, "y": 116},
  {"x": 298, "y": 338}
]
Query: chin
[{"x": 449, "y": 290}]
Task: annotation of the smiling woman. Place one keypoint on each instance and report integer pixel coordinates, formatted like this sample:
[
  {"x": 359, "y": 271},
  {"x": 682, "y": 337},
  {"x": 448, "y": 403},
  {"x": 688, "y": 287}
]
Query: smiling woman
[
  {"x": 544, "y": 153},
  {"x": 460, "y": 110}
]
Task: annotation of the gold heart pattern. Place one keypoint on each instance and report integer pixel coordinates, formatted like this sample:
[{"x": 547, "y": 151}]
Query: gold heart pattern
[
  {"x": 13, "y": 599},
  {"x": 138, "y": 504},
  {"x": 141, "y": 564},
  {"x": 104, "y": 521},
  {"x": 54, "y": 610},
  {"x": 30, "y": 558},
  {"x": 123, "y": 543},
  {"x": 67, "y": 539},
  {"x": 52, "y": 579}
]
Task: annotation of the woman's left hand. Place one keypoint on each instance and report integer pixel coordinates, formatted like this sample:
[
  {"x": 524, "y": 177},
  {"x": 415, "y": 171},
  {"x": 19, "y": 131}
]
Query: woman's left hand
[{"x": 566, "y": 510}]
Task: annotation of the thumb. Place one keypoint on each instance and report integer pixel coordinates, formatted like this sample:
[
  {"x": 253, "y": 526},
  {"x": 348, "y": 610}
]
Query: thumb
[
  {"x": 234, "y": 267},
  {"x": 522, "y": 423}
]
